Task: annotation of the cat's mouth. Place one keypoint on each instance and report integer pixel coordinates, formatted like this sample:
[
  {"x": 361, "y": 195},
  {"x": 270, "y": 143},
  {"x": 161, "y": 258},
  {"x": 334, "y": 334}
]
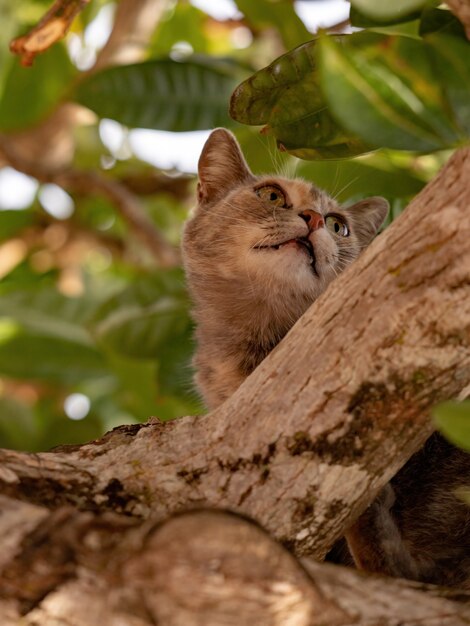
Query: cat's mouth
[{"x": 301, "y": 243}]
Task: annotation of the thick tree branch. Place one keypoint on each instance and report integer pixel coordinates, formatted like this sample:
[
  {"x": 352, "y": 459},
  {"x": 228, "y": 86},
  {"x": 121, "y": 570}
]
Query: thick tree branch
[
  {"x": 327, "y": 419},
  {"x": 203, "y": 568}
]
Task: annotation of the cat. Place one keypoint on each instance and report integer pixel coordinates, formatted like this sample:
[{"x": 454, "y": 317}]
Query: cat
[{"x": 258, "y": 251}]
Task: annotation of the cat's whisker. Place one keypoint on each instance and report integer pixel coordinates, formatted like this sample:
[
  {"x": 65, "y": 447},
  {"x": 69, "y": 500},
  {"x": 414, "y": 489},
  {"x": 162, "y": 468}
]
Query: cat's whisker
[{"x": 346, "y": 186}]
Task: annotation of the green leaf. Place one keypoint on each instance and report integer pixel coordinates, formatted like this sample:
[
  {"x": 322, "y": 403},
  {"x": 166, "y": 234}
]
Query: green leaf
[
  {"x": 286, "y": 97},
  {"x": 34, "y": 356},
  {"x": 373, "y": 174},
  {"x": 161, "y": 94},
  {"x": 383, "y": 89},
  {"x": 175, "y": 372},
  {"x": 451, "y": 56},
  {"x": 284, "y": 91},
  {"x": 136, "y": 385},
  {"x": 145, "y": 316},
  {"x": 388, "y": 12},
  {"x": 30, "y": 93},
  {"x": 443, "y": 21},
  {"x": 281, "y": 15},
  {"x": 360, "y": 20},
  {"x": 453, "y": 420},
  {"x": 49, "y": 313}
]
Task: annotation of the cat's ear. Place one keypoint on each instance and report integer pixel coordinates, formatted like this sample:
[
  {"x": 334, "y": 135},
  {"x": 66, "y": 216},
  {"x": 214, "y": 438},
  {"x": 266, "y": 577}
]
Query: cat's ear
[
  {"x": 221, "y": 167},
  {"x": 368, "y": 215}
]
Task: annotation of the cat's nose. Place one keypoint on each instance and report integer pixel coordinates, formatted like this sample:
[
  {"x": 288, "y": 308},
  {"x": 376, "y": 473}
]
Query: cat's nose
[{"x": 314, "y": 220}]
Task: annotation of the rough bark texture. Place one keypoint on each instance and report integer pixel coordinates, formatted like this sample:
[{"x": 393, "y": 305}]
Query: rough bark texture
[
  {"x": 203, "y": 568},
  {"x": 326, "y": 420}
]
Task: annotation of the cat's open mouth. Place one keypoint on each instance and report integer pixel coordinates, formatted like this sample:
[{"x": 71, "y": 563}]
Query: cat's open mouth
[{"x": 300, "y": 243}]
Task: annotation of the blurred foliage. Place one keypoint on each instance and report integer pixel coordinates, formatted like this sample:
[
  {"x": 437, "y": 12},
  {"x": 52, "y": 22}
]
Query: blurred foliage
[
  {"x": 453, "y": 420},
  {"x": 340, "y": 96},
  {"x": 85, "y": 312}
]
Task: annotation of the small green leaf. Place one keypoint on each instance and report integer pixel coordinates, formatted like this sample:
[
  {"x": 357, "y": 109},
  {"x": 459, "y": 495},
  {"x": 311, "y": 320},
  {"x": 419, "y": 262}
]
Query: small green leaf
[
  {"x": 453, "y": 420},
  {"x": 161, "y": 94},
  {"x": 383, "y": 89},
  {"x": 388, "y": 12},
  {"x": 30, "y": 93}
]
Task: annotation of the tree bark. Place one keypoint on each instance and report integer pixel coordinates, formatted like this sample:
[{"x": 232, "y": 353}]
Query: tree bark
[
  {"x": 204, "y": 568},
  {"x": 327, "y": 419}
]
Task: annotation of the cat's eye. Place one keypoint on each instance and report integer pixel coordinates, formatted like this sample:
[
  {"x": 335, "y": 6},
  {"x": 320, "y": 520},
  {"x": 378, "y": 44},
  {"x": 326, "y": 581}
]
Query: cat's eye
[
  {"x": 337, "y": 225},
  {"x": 271, "y": 194}
]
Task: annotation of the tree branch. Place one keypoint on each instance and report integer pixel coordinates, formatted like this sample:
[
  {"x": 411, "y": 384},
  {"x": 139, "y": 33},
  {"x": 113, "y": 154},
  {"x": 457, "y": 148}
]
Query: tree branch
[
  {"x": 134, "y": 24},
  {"x": 51, "y": 28},
  {"x": 327, "y": 419},
  {"x": 86, "y": 182},
  {"x": 204, "y": 568}
]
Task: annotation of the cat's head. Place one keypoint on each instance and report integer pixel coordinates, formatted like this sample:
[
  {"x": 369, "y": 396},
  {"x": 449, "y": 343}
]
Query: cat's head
[{"x": 274, "y": 235}]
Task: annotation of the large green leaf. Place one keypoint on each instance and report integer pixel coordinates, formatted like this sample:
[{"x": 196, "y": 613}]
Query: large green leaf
[
  {"x": 145, "y": 316},
  {"x": 30, "y": 93},
  {"x": 284, "y": 91},
  {"x": 453, "y": 420},
  {"x": 388, "y": 12},
  {"x": 161, "y": 94},
  {"x": 286, "y": 96},
  {"x": 384, "y": 90},
  {"x": 451, "y": 56},
  {"x": 281, "y": 15}
]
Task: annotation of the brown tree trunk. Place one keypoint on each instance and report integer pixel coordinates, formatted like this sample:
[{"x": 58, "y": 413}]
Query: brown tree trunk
[{"x": 204, "y": 568}]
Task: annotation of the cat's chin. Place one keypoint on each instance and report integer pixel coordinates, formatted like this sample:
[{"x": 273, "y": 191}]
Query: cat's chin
[{"x": 289, "y": 258}]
